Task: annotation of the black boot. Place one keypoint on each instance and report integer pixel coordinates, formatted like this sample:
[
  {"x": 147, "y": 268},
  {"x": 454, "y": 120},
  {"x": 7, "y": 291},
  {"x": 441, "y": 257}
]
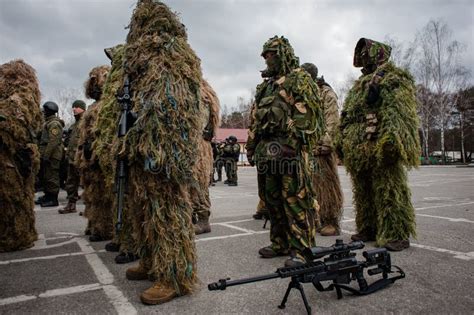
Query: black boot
[
  {"x": 124, "y": 258},
  {"x": 112, "y": 247},
  {"x": 39, "y": 200},
  {"x": 50, "y": 200}
]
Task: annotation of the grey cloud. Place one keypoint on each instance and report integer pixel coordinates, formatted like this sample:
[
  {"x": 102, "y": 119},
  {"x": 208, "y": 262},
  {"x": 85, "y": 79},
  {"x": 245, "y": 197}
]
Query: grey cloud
[{"x": 63, "y": 40}]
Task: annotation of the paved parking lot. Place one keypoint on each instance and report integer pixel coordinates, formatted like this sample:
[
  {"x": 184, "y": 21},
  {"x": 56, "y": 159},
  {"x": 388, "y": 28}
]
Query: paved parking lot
[{"x": 65, "y": 273}]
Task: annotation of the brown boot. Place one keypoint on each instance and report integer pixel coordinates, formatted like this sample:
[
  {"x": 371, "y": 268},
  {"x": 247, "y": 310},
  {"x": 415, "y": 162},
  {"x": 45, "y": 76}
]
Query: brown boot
[
  {"x": 139, "y": 272},
  {"x": 158, "y": 294},
  {"x": 329, "y": 230},
  {"x": 69, "y": 208},
  {"x": 363, "y": 236},
  {"x": 202, "y": 226}
]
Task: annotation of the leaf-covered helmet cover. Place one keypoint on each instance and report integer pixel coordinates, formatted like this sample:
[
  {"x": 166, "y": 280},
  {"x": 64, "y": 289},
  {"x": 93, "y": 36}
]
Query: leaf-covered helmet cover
[
  {"x": 374, "y": 53},
  {"x": 281, "y": 46}
]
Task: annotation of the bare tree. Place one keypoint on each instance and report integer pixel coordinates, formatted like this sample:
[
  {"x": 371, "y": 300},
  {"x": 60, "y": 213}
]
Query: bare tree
[
  {"x": 402, "y": 54},
  {"x": 343, "y": 88},
  {"x": 440, "y": 70},
  {"x": 64, "y": 97}
]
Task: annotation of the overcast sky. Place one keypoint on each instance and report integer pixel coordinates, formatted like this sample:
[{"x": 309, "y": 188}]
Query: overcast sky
[{"x": 64, "y": 39}]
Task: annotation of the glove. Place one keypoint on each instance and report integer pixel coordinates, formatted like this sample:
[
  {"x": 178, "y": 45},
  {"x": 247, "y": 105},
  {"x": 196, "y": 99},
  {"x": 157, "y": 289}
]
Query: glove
[
  {"x": 371, "y": 129},
  {"x": 374, "y": 89},
  {"x": 322, "y": 150}
]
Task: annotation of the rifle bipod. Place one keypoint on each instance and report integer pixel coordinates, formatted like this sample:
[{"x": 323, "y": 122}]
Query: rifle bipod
[{"x": 295, "y": 283}]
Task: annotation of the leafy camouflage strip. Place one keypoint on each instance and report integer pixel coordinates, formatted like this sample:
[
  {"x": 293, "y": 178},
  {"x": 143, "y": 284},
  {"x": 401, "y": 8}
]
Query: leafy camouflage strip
[
  {"x": 378, "y": 53},
  {"x": 165, "y": 77},
  {"x": 98, "y": 196},
  {"x": 377, "y": 166},
  {"x": 281, "y": 46},
  {"x": 22, "y": 120}
]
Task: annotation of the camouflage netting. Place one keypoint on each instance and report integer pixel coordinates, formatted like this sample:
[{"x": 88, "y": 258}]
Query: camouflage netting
[
  {"x": 165, "y": 78},
  {"x": 377, "y": 167},
  {"x": 202, "y": 169},
  {"x": 20, "y": 121},
  {"x": 98, "y": 197},
  {"x": 105, "y": 145}
]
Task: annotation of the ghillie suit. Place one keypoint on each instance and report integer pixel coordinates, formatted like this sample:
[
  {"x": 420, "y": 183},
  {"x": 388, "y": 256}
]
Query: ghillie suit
[
  {"x": 97, "y": 196},
  {"x": 106, "y": 149},
  {"x": 289, "y": 121},
  {"x": 379, "y": 139},
  {"x": 20, "y": 121},
  {"x": 161, "y": 147},
  {"x": 202, "y": 170},
  {"x": 262, "y": 211},
  {"x": 325, "y": 177}
]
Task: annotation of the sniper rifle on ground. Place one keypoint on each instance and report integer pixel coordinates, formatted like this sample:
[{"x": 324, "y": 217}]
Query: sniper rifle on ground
[{"x": 341, "y": 267}]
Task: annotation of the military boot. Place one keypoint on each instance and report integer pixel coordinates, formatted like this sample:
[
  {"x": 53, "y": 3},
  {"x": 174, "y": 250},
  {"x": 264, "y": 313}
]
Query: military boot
[
  {"x": 363, "y": 236},
  {"x": 397, "y": 245},
  {"x": 69, "y": 208},
  {"x": 203, "y": 225},
  {"x": 139, "y": 272},
  {"x": 159, "y": 293},
  {"x": 329, "y": 230},
  {"x": 233, "y": 184},
  {"x": 39, "y": 200},
  {"x": 50, "y": 200}
]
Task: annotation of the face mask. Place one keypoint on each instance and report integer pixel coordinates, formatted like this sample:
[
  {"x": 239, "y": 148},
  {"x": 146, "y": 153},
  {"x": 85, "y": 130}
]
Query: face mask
[{"x": 273, "y": 65}]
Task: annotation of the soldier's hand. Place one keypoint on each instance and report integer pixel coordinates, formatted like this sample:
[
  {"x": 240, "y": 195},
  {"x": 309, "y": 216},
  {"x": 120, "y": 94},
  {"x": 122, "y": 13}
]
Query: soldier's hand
[{"x": 322, "y": 150}]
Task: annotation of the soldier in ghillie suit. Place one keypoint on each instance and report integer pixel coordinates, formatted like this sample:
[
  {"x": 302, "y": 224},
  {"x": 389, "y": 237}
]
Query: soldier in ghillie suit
[
  {"x": 73, "y": 177},
  {"x": 161, "y": 147},
  {"x": 262, "y": 211},
  {"x": 202, "y": 169},
  {"x": 230, "y": 157},
  {"x": 105, "y": 131},
  {"x": 288, "y": 122},
  {"x": 379, "y": 139},
  {"x": 20, "y": 121},
  {"x": 325, "y": 178},
  {"x": 51, "y": 151},
  {"x": 97, "y": 198}
]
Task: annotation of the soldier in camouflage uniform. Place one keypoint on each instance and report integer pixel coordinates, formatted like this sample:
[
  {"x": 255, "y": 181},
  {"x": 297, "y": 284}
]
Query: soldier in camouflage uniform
[
  {"x": 51, "y": 150},
  {"x": 230, "y": 156},
  {"x": 288, "y": 122},
  {"x": 262, "y": 211},
  {"x": 379, "y": 140},
  {"x": 20, "y": 122},
  {"x": 73, "y": 177},
  {"x": 325, "y": 178}
]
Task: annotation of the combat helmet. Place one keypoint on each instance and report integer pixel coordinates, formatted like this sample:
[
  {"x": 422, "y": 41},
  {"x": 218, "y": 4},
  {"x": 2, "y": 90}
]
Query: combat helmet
[{"x": 50, "y": 107}]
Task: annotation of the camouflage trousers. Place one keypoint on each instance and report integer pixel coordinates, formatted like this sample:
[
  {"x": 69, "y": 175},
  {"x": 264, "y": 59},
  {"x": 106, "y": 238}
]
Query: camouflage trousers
[
  {"x": 231, "y": 170},
  {"x": 72, "y": 183},
  {"x": 291, "y": 210},
  {"x": 261, "y": 207}
]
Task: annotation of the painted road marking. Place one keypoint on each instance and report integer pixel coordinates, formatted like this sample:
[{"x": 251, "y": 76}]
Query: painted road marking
[
  {"x": 456, "y": 254},
  {"x": 445, "y": 218}
]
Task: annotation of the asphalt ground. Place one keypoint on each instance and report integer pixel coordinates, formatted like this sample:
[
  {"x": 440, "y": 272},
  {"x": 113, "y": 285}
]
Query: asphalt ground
[{"x": 65, "y": 273}]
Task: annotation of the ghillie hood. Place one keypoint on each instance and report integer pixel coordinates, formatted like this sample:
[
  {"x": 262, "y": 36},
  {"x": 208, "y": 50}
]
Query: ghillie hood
[
  {"x": 379, "y": 53},
  {"x": 19, "y": 104},
  {"x": 95, "y": 83},
  {"x": 281, "y": 46}
]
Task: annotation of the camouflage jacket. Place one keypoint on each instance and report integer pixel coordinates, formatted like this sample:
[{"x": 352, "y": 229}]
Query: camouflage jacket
[
  {"x": 287, "y": 116},
  {"x": 51, "y": 143},
  {"x": 331, "y": 114},
  {"x": 73, "y": 141}
]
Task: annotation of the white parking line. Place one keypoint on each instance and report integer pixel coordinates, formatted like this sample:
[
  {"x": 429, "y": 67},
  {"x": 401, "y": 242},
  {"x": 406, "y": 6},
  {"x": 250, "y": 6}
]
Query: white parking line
[
  {"x": 456, "y": 254},
  {"x": 70, "y": 290},
  {"x": 445, "y": 206},
  {"x": 445, "y": 218},
  {"x": 17, "y": 299},
  {"x": 236, "y": 228}
]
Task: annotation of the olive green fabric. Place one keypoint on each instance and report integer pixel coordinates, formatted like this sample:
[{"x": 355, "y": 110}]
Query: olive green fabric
[
  {"x": 51, "y": 150},
  {"x": 80, "y": 104},
  {"x": 19, "y": 155},
  {"x": 288, "y": 123},
  {"x": 51, "y": 143},
  {"x": 379, "y": 141}
]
